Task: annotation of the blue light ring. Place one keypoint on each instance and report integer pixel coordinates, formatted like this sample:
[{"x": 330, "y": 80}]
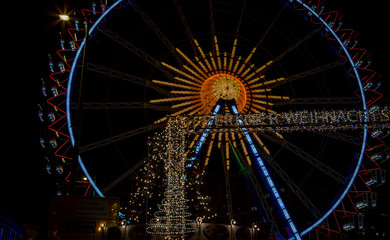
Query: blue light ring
[
  {"x": 360, "y": 159},
  {"x": 69, "y": 95},
  {"x": 337, "y": 202}
]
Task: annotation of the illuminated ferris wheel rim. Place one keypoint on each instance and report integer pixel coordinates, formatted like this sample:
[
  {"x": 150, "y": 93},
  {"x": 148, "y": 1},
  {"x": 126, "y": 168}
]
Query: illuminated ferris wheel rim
[{"x": 309, "y": 9}]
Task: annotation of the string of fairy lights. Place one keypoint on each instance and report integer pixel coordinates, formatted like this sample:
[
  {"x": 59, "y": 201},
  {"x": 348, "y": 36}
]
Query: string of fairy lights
[
  {"x": 171, "y": 219},
  {"x": 306, "y": 120},
  {"x": 145, "y": 201}
]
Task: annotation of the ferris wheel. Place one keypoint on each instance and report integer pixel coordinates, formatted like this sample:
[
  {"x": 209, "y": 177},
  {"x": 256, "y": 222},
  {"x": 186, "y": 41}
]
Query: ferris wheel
[{"x": 126, "y": 67}]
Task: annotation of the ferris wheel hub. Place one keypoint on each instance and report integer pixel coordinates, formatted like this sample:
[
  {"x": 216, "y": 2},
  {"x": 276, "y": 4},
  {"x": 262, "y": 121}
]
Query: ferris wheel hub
[{"x": 223, "y": 86}]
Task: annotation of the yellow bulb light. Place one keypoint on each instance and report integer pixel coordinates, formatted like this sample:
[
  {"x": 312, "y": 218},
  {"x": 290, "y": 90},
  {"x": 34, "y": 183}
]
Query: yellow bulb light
[{"x": 64, "y": 17}]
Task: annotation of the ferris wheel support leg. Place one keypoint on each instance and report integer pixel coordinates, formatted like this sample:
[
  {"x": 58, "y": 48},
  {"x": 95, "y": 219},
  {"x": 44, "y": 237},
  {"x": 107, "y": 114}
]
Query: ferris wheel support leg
[
  {"x": 227, "y": 187},
  {"x": 268, "y": 182},
  {"x": 202, "y": 139}
]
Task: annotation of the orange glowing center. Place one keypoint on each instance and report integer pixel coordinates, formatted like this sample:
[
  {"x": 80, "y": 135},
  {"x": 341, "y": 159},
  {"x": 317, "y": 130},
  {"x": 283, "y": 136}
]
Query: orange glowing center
[{"x": 222, "y": 86}]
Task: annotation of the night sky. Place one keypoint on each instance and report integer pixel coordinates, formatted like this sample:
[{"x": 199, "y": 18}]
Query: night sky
[{"x": 27, "y": 38}]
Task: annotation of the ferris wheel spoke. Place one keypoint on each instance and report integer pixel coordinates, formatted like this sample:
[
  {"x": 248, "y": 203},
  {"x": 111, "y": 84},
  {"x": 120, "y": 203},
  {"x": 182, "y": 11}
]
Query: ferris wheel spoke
[
  {"x": 134, "y": 49},
  {"x": 126, "y": 77},
  {"x": 295, "y": 45},
  {"x": 187, "y": 28},
  {"x": 306, "y": 157},
  {"x": 119, "y": 137},
  {"x": 271, "y": 25},
  {"x": 120, "y": 105},
  {"x": 290, "y": 49},
  {"x": 291, "y": 184},
  {"x": 318, "y": 101},
  {"x": 263, "y": 37},
  {"x": 260, "y": 193},
  {"x": 342, "y": 137},
  {"x": 309, "y": 72},
  {"x": 156, "y": 30},
  {"x": 240, "y": 19},
  {"x": 123, "y": 176},
  {"x": 227, "y": 184},
  {"x": 211, "y": 13}
]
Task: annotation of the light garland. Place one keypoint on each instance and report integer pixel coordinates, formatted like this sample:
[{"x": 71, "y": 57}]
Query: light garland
[
  {"x": 171, "y": 218},
  {"x": 150, "y": 179},
  {"x": 325, "y": 120}
]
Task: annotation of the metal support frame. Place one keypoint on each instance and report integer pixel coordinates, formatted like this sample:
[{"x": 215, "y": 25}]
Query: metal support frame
[
  {"x": 310, "y": 72},
  {"x": 126, "y": 77},
  {"x": 152, "y": 25},
  {"x": 307, "y": 157},
  {"x": 134, "y": 49},
  {"x": 187, "y": 28},
  {"x": 117, "y": 138},
  {"x": 227, "y": 187},
  {"x": 290, "y": 183},
  {"x": 120, "y": 105}
]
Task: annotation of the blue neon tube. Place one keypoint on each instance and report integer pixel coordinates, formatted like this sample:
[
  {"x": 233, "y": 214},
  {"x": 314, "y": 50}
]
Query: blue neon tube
[
  {"x": 69, "y": 94},
  {"x": 268, "y": 180},
  {"x": 204, "y": 135},
  {"x": 341, "y": 197}
]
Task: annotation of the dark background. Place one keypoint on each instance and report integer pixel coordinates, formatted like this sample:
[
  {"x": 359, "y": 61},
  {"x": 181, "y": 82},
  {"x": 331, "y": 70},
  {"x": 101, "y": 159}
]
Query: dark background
[{"x": 30, "y": 32}]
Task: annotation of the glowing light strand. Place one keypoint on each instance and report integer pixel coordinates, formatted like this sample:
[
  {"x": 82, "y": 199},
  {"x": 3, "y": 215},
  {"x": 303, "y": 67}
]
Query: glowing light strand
[
  {"x": 171, "y": 218},
  {"x": 315, "y": 120}
]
